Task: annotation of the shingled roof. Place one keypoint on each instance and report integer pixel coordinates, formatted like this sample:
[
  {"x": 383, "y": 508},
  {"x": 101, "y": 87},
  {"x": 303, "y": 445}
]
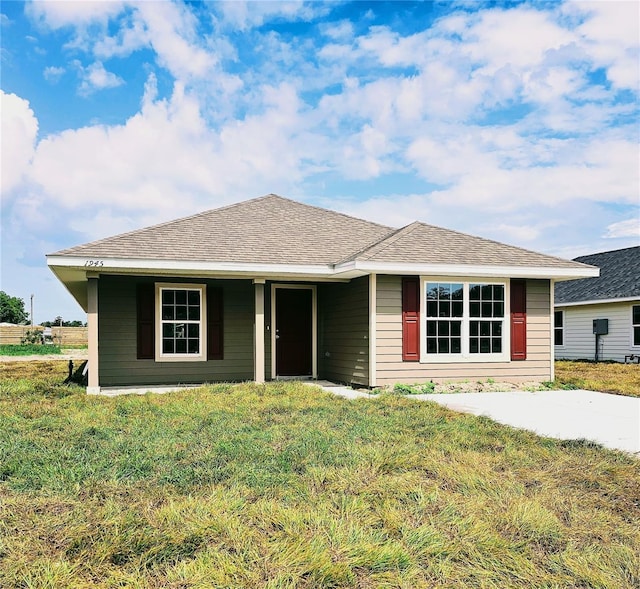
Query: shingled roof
[
  {"x": 619, "y": 278},
  {"x": 269, "y": 230},
  {"x": 276, "y": 230}
]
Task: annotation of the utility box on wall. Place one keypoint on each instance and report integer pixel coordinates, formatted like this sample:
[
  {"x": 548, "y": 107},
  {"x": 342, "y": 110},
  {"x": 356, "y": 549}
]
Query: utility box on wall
[{"x": 600, "y": 326}]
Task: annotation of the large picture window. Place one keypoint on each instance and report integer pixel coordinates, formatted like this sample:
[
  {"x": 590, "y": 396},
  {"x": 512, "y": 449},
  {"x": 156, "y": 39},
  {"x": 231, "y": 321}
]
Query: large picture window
[
  {"x": 180, "y": 322},
  {"x": 635, "y": 325},
  {"x": 464, "y": 320}
]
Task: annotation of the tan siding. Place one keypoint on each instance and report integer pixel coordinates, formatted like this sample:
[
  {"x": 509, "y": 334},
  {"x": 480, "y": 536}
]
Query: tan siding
[
  {"x": 117, "y": 338},
  {"x": 579, "y": 341},
  {"x": 343, "y": 326},
  {"x": 391, "y": 368}
]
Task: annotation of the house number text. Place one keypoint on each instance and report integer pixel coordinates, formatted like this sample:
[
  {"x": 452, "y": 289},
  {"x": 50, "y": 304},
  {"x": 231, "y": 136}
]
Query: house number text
[{"x": 94, "y": 263}]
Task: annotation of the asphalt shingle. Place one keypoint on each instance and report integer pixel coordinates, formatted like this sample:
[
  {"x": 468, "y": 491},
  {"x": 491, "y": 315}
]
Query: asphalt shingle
[
  {"x": 619, "y": 278},
  {"x": 276, "y": 230}
]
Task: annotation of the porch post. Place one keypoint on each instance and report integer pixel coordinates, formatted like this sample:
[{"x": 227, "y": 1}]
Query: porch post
[
  {"x": 552, "y": 331},
  {"x": 258, "y": 355},
  {"x": 372, "y": 329},
  {"x": 92, "y": 325}
]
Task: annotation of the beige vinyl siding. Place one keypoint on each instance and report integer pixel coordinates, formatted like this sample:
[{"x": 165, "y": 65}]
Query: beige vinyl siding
[
  {"x": 118, "y": 332},
  {"x": 579, "y": 341},
  {"x": 343, "y": 331},
  {"x": 391, "y": 369}
]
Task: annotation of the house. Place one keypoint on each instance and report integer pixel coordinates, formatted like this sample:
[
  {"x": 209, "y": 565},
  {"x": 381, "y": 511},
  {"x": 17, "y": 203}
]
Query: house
[
  {"x": 612, "y": 300},
  {"x": 272, "y": 288}
]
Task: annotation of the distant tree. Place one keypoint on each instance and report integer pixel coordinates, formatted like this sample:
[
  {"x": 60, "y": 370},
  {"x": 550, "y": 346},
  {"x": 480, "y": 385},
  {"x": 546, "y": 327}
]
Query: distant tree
[
  {"x": 12, "y": 309},
  {"x": 59, "y": 322}
]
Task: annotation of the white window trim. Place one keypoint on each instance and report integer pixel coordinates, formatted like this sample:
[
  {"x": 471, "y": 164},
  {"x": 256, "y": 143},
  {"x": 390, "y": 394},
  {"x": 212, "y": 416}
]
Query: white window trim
[
  {"x": 465, "y": 357},
  {"x": 564, "y": 333},
  {"x": 632, "y": 345},
  {"x": 160, "y": 356}
]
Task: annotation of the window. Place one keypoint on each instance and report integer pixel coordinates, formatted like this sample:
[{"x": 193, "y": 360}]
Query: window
[
  {"x": 464, "y": 320},
  {"x": 180, "y": 325},
  {"x": 444, "y": 318},
  {"x": 635, "y": 324},
  {"x": 558, "y": 328}
]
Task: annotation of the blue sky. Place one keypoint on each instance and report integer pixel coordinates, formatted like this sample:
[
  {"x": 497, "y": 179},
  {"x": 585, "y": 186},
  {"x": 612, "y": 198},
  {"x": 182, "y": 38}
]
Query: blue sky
[{"x": 516, "y": 121}]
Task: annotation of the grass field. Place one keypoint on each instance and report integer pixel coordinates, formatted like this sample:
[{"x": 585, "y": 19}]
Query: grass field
[
  {"x": 28, "y": 349},
  {"x": 286, "y": 486},
  {"x": 607, "y": 377}
]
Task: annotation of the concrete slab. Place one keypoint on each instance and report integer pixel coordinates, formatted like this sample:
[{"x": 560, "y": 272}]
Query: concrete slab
[{"x": 610, "y": 420}]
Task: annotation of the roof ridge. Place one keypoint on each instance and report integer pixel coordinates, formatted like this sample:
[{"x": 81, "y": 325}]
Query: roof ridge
[
  {"x": 622, "y": 249},
  {"x": 386, "y": 241}
]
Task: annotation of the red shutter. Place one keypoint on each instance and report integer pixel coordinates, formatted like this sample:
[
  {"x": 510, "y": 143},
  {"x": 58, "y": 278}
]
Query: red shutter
[
  {"x": 214, "y": 324},
  {"x": 518, "y": 320},
  {"x": 145, "y": 304},
  {"x": 410, "y": 319}
]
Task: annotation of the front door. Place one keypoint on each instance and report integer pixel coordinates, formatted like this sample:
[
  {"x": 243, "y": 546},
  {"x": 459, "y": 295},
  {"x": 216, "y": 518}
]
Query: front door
[{"x": 294, "y": 331}]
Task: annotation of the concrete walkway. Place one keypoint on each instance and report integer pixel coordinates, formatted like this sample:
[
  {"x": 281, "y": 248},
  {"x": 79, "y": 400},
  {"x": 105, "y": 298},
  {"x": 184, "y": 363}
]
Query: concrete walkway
[{"x": 610, "y": 420}]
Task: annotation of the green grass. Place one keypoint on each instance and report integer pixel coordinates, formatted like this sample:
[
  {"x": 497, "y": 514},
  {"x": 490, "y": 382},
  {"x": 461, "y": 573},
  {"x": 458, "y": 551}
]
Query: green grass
[
  {"x": 285, "y": 486},
  {"x": 607, "y": 377},
  {"x": 28, "y": 349}
]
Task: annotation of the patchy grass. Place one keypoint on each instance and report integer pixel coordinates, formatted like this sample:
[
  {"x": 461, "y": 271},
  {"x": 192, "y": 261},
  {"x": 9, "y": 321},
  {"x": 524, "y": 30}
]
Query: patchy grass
[
  {"x": 607, "y": 377},
  {"x": 29, "y": 349},
  {"x": 285, "y": 486}
]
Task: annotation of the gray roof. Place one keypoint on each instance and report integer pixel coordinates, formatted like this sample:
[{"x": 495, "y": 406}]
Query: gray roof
[
  {"x": 619, "y": 278},
  {"x": 429, "y": 244},
  {"x": 269, "y": 230},
  {"x": 275, "y": 230}
]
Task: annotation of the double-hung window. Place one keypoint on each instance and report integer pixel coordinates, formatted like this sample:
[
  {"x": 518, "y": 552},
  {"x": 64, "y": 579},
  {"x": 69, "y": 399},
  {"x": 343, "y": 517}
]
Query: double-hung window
[
  {"x": 635, "y": 325},
  {"x": 558, "y": 328},
  {"x": 464, "y": 320},
  {"x": 180, "y": 325}
]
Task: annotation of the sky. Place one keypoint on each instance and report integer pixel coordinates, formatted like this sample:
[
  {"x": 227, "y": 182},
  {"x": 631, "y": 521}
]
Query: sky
[{"x": 514, "y": 121}]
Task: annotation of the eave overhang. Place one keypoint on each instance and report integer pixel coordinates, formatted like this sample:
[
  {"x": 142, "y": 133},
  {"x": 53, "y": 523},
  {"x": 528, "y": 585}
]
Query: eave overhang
[
  {"x": 598, "y": 302},
  {"x": 489, "y": 271},
  {"x": 73, "y": 271}
]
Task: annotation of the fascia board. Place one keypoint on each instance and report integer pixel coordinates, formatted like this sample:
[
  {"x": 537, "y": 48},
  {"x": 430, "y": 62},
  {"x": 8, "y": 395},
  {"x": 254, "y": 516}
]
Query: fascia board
[
  {"x": 167, "y": 266},
  {"x": 598, "y": 302},
  {"x": 469, "y": 270}
]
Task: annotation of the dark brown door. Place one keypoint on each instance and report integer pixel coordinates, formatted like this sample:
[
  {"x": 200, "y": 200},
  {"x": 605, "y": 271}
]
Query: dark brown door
[{"x": 293, "y": 331}]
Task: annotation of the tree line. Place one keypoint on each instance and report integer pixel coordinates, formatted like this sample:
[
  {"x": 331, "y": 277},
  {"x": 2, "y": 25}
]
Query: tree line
[{"x": 12, "y": 310}]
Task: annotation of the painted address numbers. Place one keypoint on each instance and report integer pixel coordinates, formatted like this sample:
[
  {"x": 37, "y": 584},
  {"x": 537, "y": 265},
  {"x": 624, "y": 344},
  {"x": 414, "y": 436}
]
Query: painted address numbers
[{"x": 94, "y": 263}]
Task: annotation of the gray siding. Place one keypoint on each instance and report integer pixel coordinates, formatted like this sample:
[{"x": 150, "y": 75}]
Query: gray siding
[
  {"x": 117, "y": 337},
  {"x": 579, "y": 341},
  {"x": 343, "y": 331},
  {"x": 391, "y": 369}
]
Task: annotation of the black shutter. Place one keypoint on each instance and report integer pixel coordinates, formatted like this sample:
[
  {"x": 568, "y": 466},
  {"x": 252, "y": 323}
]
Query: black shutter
[
  {"x": 145, "y": 298},
  {"x": 215, "y": 314}
]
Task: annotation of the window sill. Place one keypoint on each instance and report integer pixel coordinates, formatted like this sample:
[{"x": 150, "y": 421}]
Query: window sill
[
  {"x": 460, "y": 359},
  {"x": 199, "y": 358}
]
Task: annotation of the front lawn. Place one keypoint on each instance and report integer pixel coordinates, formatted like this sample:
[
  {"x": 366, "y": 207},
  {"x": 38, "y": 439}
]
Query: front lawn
[
  {"x": 606, "y": 377},
  {"x": 284, "y": 485}
]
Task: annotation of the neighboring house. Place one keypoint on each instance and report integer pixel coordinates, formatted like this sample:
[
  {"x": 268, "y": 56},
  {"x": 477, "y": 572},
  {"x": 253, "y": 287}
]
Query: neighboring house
[
  {"x": 272, "y": 288},
  {"x": 614, "y": 296}
]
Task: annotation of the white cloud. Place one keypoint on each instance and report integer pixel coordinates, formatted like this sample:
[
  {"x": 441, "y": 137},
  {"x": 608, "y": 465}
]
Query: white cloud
[
  {"x": 19, "y": 132},
  {"x": 96, "y": 77},
  {"x": 243, "y": 15},
  {"x": 173, "y": 35},
  {"x": 611, "y": 37},
  {"x": 58, "y": 14},
  {"x": 53, "y": 74},
  {"x": 628, "y": 228}
]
